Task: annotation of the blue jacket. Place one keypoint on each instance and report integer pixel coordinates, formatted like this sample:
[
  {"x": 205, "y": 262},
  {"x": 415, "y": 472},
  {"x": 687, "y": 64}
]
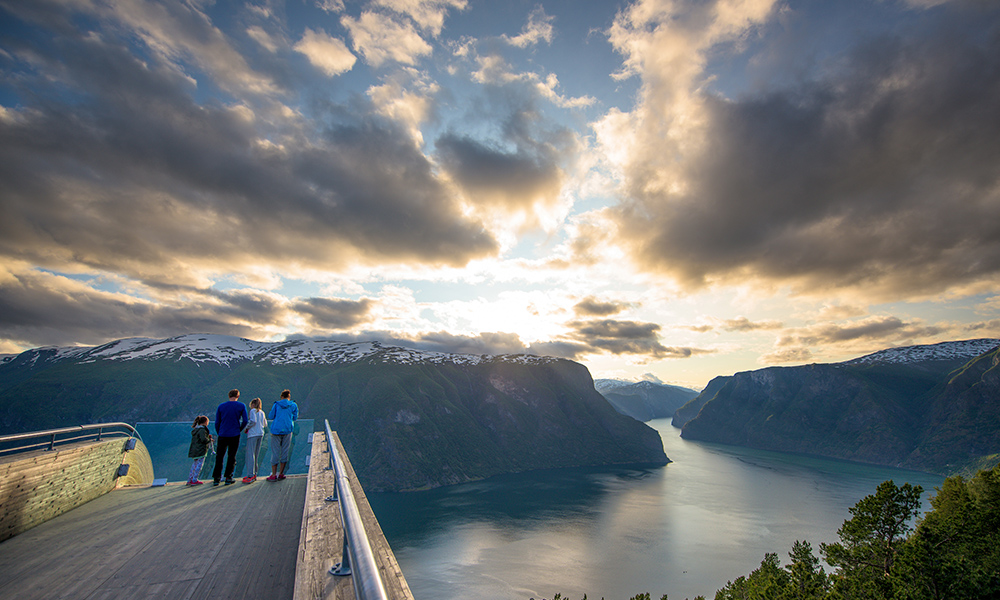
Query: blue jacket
[
  {"x": 283, "y": 415},
  {"x": 230, "y": 418}
]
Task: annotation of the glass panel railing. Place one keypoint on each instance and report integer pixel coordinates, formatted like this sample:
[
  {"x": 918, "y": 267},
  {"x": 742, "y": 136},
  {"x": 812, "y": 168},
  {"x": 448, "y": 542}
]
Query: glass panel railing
[{"x": 168, "y": 445}]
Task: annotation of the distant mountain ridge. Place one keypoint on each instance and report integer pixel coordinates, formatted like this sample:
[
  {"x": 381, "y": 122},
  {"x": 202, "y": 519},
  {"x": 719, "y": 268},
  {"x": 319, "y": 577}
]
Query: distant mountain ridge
[
  {"x": 644, "y": 400},
  {"x": 944, "y": 351},
  {"x": 933, "y": 408},
  {"x": 409, "y": 419},
  {"x": 229, "y": 350}
]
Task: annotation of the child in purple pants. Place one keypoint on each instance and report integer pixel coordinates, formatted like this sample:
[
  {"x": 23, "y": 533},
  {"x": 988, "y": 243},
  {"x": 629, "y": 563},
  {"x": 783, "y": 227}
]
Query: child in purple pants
[{"x": 201, "y": 441}]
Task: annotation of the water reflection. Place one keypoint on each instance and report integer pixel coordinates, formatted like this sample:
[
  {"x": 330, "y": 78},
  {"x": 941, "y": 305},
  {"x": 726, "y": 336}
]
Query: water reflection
[{"x": 683, "y": 529}]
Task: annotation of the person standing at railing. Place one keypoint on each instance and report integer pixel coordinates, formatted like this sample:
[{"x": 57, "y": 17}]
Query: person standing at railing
[
  {"x": 255, "y": 434},
  {"x": 283, "y": 414},
  {"x": 201, "y": 440},
  {"x": 230, "y": 419}
]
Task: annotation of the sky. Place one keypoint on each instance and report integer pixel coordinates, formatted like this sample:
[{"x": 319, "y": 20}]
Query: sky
[{"x": 668, "y": 190}]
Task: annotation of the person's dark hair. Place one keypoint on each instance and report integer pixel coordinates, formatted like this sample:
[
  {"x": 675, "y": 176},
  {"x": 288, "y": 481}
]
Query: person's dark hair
[
  {"x": 286, "y": 394},
  {"x": 234, "y": 393},
  {"x": 200, "y": 420}
]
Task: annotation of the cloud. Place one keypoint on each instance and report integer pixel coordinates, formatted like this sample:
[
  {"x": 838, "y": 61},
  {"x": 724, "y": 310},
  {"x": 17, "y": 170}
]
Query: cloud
[
  {"x": 491, "y": 175},
  {"x": 626, "y": 337},
  {"x": 113, "y": 166},
  {"x": 855, "y": 337},
  {"x": 875, "y": 171},
  {"x": 331, "y": 313},
  {"x": 326, "y": 53},
  {"x": 38, "y": 308},
  {"x": 427, "y": 14},
  {"x": 380, "y": 39},
  {"x": 178, "y": 33},
  {"x": 743, "y": 324},
  {"x": 592, "y": 307},
  {"x": 791, "y": 355},
  {"x": 537, "y": 29}
]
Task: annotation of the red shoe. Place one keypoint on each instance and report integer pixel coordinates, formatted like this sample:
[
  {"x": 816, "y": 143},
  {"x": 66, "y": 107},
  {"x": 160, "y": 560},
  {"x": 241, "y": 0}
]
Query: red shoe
[
  {"x": 195, "y": 482},
  {"x": 280, "y": 477},
  {"x": 247, "y": 479},
  {"x": 272, "y": 478}
]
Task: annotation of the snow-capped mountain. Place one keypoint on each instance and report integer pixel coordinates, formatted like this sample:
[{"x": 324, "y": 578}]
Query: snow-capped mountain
[
  {"x": 230, "y": 350},
  {"x": 932, "y": 407},
  {"x": 967, "y": 350},
  {"x": 409, "y": 418},
  {"x": 644, "y": 400}
]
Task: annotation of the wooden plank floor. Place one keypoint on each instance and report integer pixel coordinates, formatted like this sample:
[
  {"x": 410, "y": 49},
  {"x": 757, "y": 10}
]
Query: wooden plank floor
[{"x": 172, "y": 542}]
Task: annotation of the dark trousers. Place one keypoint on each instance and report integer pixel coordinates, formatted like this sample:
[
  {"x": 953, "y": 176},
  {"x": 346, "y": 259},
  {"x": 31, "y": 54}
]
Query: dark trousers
[{"x": 230, "y": 445}]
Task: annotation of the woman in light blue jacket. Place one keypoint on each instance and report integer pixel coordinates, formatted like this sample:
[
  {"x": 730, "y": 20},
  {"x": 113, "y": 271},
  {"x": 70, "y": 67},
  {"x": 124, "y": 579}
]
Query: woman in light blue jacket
[
  {"x": 283, "y": 415},
  {"x": 255, "y": 434}
]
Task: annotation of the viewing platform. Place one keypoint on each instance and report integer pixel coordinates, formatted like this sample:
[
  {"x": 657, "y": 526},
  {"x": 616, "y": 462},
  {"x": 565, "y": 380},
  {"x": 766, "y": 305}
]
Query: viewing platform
[{"x": 274, "y": 540}]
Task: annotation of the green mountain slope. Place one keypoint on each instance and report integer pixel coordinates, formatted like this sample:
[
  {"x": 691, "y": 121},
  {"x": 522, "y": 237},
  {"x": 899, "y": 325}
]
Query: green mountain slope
[
  {"x": 406, "y": 424},
  {"x": 931, "y": 414}
]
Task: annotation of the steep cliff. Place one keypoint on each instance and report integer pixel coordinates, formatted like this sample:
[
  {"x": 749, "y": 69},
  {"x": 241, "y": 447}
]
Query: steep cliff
[
  {"x": 933, "y": 408},
  {"x": 408, "y": 419}
]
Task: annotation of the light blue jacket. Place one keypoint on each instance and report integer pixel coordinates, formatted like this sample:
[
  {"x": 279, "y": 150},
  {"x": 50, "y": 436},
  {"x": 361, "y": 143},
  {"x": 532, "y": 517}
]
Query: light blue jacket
[{"x": 283, "y": 415}]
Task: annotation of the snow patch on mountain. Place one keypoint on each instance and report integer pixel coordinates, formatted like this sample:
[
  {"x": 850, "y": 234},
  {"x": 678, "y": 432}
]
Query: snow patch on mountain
[
  {"x": 230, "y": 350},
  {"x": 967, "y": 349}
]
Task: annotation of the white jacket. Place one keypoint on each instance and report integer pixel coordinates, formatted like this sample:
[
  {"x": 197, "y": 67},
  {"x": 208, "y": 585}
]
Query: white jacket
[{"x": 255, "y": 428}]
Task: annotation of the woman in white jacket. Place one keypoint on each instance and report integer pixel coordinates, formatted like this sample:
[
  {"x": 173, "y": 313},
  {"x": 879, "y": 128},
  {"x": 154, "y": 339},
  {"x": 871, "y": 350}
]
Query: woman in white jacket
[{"x": 255, "y": 433}]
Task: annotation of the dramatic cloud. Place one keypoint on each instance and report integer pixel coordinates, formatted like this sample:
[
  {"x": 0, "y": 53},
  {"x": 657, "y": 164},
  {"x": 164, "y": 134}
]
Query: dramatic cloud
[
  {"x": 380, "y": 38},
  {"x": 803, "y": 181},
  {"x": 493, "y": 176},
  {"x": 592, "y": 307},
  {"x": 854, "y": 338},
  {"x": 135, "y": 177},
  {"x": 330, "y": 313},
  {"x": 427, "y": 14},
  {"x": 744, "y": 324},
  {"x": 49, "y": 310},
  {"x": 877, "y": 173},
  {"x": 538, "y": 29},
  {"x": 626, "y": 337},
  {"x": 325, "y": 52}
]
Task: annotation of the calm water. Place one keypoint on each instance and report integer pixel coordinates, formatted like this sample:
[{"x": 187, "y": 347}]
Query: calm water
[{"x": 683, "y": 529}]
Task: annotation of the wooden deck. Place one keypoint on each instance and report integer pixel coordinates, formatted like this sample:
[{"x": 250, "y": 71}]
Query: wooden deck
[
  {"x": 172, "y": 542},
  {"x": 264, "y": 540}
]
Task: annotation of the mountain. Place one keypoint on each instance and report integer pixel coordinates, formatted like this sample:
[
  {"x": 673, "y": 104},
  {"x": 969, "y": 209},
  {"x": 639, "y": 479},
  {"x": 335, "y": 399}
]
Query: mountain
[
  {"x": 932, "y": 408},
  {"x": 409, "y": 419},
  {"x": 644, "y": 400}
]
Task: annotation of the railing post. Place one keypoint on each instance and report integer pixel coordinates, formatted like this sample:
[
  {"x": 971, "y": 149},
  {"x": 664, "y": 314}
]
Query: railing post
[
  {"x": 344, "y": 566},
  {"x": 52, "y": 442}
]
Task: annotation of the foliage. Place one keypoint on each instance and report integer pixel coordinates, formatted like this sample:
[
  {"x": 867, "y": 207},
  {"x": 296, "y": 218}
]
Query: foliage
[
  {"x": 871, "y": 539},
  {"x": 953, "y": 552}
]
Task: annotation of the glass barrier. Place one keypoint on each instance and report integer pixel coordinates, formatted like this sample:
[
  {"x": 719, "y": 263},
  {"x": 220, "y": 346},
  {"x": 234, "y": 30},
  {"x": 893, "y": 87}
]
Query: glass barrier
[{"x": 168, "y": 445}]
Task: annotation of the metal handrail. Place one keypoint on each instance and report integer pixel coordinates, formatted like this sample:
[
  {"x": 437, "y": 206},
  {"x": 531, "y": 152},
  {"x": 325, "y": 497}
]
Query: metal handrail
[
  {"x": 51, "y": 441},
  {"x": 357, "y": 554}
]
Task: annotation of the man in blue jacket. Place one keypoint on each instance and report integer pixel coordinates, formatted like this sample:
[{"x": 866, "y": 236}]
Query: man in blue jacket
[
  {"x": 230, "y": 419},
  {"x": 283, "y": 415}
]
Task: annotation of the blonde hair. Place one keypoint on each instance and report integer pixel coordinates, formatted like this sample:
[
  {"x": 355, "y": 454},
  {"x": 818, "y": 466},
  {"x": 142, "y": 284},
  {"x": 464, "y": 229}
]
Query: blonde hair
[{"x": 255, "y": 403}]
